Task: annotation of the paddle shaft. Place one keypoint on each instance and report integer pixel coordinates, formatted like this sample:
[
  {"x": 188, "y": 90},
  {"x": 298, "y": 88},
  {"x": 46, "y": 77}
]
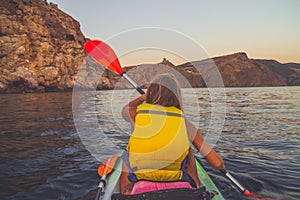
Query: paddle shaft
[
  {"x": 133, "y": 83},
  {"x": 101, "y": 187},
  {"x": 242, "y": 189},
  {"x": 233, "y": 180}
]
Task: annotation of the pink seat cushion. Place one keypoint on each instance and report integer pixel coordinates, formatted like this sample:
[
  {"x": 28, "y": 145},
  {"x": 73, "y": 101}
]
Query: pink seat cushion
[{"x": 148, "y": 186}]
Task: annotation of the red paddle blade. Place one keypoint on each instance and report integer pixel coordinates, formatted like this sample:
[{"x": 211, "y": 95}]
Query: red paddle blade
[
  {"x": 255, "y": 196},
  {"x": 108, "y": 166},
  {"x": 103, "y": 54}
]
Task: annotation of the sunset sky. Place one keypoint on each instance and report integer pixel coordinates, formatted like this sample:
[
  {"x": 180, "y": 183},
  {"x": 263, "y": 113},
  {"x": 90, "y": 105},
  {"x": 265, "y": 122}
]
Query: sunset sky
[{"x": 143, "y": 31}]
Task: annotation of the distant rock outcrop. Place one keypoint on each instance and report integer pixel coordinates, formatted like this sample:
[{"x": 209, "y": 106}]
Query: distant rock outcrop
[
  {"x": 167, "y": 62},
  {"x": 144, "y": 73},
  {"x": 41, "y": 47}
]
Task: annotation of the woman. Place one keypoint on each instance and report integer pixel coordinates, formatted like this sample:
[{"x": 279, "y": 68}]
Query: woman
[{"x": 158, "y": 155}]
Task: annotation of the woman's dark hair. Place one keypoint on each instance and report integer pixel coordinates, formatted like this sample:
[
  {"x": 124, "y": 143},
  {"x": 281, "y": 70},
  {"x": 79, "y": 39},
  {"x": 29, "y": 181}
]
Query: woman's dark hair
[{"x": 164, "y": 90}]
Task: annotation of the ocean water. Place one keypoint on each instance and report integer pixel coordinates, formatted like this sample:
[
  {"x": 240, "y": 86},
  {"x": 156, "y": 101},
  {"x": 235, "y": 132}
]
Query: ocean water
[{"x": 51, "y": 144}]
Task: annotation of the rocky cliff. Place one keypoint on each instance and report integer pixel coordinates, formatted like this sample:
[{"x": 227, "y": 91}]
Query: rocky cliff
[
  {"x": 41, "y": 47},
  {"x": 236, "y": 70}
]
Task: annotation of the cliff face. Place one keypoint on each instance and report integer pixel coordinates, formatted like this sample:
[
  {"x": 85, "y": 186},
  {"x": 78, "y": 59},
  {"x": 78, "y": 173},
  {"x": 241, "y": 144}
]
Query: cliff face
[
  {"x": 238, "y": 70},
  {"x": 41, "y": 47}
]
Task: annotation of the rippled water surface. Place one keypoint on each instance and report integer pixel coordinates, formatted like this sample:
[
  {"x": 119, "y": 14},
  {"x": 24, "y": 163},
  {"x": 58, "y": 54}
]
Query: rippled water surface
[{"x": 49, "y": 152}]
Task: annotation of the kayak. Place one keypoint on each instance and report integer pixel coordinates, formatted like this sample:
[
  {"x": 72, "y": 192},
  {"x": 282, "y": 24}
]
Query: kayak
[{"x": 208, "y": 190}]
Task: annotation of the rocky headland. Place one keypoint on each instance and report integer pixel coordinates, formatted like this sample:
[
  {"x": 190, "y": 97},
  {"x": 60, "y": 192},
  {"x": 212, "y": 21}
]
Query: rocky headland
[
  {"x": 42, "y": 50},
  {"x": 41, "y": 47},
  {"x": 235, "y": 70}
]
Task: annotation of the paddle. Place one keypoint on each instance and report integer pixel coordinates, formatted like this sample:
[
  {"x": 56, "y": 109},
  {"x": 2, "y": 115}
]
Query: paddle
[
  {"x": 104, "y": 54},
  {"x": 241, "y": 188},
  {"x": 105, "y": 169}
]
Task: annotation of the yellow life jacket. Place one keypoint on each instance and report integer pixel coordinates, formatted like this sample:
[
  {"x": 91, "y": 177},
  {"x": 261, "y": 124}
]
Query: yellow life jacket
[{"x": 158, "y": 145}]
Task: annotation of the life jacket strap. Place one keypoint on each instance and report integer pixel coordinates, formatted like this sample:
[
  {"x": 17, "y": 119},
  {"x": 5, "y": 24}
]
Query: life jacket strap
[
  {"x": 133, "y": 178},
  {"x": 156, "y": 112}
]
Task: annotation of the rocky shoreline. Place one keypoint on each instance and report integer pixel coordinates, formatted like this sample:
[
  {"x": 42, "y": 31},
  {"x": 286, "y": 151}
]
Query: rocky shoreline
[{"x": 42, "y": 50}]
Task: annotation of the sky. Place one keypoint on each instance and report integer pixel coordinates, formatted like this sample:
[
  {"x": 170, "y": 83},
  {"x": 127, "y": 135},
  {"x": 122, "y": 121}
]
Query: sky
[{"x": 142, "y": 31}]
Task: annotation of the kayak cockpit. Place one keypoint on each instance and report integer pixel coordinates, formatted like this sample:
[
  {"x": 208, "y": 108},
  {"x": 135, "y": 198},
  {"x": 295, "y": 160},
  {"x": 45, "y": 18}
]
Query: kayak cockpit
[{"x": 206, "y": 192}]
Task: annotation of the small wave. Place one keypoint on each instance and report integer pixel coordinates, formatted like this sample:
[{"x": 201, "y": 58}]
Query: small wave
[
  {"x": 46, "y": 133},
  {"x": 50, "y": 119}
]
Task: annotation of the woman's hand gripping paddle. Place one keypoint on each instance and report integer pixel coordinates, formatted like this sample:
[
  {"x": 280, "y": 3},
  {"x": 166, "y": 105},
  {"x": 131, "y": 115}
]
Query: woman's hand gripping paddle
[
  {"x": 104, "y": 170},
  {"x": 241, "y": 188},
  {"x": 104, "y": 55}
]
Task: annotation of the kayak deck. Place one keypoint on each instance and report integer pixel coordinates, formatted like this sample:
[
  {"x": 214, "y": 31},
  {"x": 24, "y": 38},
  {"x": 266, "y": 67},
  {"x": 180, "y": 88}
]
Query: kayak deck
[
  {"x": 112, "y": 188},
  {"x": 207, "y": 182}
]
